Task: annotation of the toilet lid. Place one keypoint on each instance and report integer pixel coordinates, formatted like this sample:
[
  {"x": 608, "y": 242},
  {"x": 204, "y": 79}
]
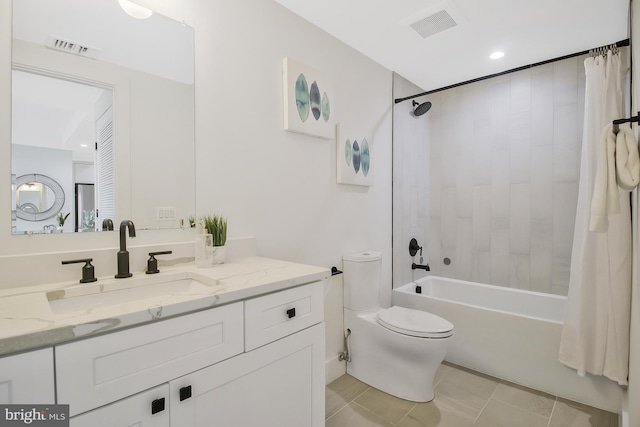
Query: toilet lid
[{"x": 415, "y": 323}]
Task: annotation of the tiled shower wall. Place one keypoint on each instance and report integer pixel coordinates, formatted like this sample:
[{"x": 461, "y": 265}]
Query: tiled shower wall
[{"x": 503, "y": 167}]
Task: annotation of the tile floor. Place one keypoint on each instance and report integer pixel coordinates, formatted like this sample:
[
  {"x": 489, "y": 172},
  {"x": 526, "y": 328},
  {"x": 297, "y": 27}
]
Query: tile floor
[{"x": 463, "y": 398}]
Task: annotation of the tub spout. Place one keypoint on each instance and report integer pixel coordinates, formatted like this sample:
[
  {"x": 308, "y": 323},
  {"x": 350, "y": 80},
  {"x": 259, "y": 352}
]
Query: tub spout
[{"x": 415, "y": 266}]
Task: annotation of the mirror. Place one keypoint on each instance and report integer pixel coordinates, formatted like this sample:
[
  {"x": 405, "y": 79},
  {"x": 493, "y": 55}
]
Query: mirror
[
  {"x": 38, "y": 197},
  {"x": 102, "y": 109}
]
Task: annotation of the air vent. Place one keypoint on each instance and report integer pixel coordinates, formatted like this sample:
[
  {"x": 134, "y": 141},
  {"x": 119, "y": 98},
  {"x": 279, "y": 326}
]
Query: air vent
[
  {"x": 435, "y": 19},
  {"x": 434, "y": 24},
  {"x": 68, "y": 46}
]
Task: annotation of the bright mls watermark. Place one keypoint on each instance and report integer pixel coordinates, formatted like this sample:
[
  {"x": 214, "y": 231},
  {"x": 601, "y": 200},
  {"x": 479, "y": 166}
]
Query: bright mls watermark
[{"x": 34, "y": 415}]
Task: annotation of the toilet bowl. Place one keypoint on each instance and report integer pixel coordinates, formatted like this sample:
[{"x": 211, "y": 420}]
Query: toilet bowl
[{"x": 396, "y": 350}]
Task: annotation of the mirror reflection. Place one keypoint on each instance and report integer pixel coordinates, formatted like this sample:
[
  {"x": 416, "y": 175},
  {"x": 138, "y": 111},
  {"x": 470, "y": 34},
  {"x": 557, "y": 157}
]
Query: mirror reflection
[
  {"x": 58, "y": 131},
  {"x": 104, "y": 113}
]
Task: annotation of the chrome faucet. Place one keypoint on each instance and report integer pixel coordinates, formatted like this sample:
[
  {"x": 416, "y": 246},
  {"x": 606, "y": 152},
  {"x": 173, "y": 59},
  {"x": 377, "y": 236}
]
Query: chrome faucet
[{"x": 123, "y": 254}]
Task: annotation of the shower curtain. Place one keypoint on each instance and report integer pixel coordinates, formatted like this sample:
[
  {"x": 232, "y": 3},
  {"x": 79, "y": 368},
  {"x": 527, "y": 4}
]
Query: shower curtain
[{"x": 595, "y": 335}]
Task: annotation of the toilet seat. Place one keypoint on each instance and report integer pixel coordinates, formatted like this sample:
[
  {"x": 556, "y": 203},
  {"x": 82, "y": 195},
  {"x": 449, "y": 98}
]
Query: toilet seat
[{"x": 415, "y": 323}]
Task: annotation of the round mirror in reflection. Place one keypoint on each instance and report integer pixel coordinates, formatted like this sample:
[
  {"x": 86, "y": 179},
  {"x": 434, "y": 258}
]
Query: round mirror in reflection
[{"x": 38, "y": 197}]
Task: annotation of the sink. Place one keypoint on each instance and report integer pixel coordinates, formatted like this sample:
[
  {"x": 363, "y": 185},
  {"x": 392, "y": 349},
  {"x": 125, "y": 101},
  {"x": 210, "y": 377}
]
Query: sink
[{"x": 141, "y": 292}]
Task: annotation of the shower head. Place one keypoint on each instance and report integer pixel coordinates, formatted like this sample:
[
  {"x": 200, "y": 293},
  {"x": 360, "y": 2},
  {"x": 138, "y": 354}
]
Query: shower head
[{"x": 420, "y": 109}]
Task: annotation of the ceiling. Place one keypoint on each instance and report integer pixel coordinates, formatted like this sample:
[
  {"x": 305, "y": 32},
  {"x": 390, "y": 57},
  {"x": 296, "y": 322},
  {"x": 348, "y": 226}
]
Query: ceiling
[
  {"x": 526, "y": 31},
  {"x": 63, "y": 110}
]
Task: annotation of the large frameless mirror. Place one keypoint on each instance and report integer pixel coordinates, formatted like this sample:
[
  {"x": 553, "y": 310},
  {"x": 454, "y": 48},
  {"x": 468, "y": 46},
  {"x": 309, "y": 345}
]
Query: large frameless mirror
[{"x": 111, "y": 111}]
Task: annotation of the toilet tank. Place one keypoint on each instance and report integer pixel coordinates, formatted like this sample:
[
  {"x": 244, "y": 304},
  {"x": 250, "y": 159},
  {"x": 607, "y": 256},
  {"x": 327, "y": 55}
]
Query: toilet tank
[{"x": 362, "y": 274}]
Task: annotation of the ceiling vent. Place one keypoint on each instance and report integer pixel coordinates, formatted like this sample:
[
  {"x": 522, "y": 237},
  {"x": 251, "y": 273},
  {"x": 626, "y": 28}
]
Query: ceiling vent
[
  {"x": 68, "y": 46},
  {"x": 435, "y": 19},
  {"x": 434, "y": 24}
]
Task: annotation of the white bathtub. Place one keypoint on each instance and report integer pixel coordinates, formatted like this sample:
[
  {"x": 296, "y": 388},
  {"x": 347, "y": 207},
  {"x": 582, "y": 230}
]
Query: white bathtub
[{"x": 510, "y": 334}]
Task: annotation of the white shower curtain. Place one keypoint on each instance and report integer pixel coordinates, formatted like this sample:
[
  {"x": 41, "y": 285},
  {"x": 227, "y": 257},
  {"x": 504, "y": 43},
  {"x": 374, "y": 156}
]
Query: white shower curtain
[{"x": 595, "y": 336}]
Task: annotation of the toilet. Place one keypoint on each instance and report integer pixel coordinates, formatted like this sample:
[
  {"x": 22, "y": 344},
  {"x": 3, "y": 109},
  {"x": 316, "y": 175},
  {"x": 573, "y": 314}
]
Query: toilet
[{"x": 396, "y": 350}]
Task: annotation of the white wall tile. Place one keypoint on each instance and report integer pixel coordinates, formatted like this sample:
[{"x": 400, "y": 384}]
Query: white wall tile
[
  {"x": 541, "y": 255},
  {"x": 519, "y": 271},
  {"x": 565, "y": 199},
  {"x": 481, "y": 267},
  {"x": 464, "y": 248},
  {"x": 500, "y": 252},
  {"x": 565, "y": 82},
  {"x": 448, "y": 217},
  {"x": 520, "y": 219},
  {"x": 503, "y": 186},
  {"x": 482, "y": 218}
]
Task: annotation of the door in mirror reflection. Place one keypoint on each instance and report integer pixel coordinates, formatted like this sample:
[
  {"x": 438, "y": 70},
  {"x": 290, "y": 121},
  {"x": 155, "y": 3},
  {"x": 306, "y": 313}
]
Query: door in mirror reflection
[{"x": 85, "y": 211}]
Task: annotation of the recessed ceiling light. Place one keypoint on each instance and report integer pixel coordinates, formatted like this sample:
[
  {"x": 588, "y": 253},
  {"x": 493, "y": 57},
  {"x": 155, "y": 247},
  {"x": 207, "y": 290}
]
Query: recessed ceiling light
[
  {"x": 496, "y": 55},
  {"x": 83, "y": 145}
]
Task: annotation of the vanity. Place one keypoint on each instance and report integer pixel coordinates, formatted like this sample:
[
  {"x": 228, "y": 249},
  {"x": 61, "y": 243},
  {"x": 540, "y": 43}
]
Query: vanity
[{"x": 241, "y": 344}]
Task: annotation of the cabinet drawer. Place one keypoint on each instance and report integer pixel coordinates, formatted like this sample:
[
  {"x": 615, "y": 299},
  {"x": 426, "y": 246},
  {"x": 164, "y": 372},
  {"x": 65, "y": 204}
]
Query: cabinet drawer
[
  {"x": 100, "y": 370},
  {"x": 274, "y": 316}
]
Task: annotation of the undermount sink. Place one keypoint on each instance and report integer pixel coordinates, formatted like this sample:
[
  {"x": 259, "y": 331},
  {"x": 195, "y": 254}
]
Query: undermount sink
[{"x": 96, "y": 295}]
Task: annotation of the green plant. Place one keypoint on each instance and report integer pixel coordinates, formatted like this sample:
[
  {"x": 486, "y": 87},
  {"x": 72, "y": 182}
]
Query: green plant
[
  {"x": 216, "y": 225},
  {"x": 62, "y": 218},
  {"x": 192, "y": 221}
]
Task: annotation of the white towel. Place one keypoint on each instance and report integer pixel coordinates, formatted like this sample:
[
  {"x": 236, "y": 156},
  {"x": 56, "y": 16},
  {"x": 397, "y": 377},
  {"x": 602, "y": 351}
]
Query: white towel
[
  {"x": 627, "y": 159},
  {"x": 605, "y": 200}
]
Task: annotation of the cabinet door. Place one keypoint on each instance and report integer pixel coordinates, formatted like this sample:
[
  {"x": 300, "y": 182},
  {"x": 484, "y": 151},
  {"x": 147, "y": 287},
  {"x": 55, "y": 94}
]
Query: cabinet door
[
  {"x": 27, "y": 378},
  {"x": 147, "y": 409},
  {"x": 280, "y": 384},
  {"x": 97, "y": 371}
]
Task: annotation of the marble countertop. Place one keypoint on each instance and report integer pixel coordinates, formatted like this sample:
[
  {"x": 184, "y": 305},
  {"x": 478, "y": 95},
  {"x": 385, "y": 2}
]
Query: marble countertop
[{"x": 45, "y": 315}]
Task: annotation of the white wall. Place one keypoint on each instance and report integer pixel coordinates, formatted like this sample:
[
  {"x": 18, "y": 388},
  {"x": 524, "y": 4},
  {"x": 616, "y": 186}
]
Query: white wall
[
  {"x": 272, "y": 184},
  {"x": 277, "y": 185}
]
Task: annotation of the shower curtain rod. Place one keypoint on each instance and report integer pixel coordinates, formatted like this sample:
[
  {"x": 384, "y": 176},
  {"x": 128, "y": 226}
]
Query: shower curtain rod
[{"x": 621, "y": 43}]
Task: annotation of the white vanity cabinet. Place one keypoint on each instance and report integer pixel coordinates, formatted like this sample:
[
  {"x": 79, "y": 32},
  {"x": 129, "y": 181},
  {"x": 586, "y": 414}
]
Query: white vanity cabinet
[
  {"x": 97, "y": 371},
  {"x": 277, "y": 384},
  {"x": 248, "y": 363},
  {"x": 27, "y": 378}
]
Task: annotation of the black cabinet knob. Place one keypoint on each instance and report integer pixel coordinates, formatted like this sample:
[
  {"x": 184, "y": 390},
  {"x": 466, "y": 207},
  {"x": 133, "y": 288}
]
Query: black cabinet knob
[
  {"x": 291, "y": 312},
  {"x": 157, "y": 406},
  {"x": 185, "y": 393}
]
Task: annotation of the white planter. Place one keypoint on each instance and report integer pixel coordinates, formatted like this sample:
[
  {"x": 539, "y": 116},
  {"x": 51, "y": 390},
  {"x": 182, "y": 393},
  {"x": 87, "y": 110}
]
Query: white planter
[{"x": 218, "y": 254}]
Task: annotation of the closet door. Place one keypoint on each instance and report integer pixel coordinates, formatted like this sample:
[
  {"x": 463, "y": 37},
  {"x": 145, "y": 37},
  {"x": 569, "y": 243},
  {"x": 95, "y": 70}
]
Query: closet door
[{"x": 105, "y": 170}]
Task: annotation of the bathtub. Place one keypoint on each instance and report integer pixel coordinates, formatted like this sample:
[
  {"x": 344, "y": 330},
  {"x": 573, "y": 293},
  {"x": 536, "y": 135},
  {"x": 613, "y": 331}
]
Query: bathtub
[{"x": 510, "y": 334}]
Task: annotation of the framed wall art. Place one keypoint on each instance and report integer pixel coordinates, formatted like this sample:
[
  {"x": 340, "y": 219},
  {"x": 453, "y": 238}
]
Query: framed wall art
[
  {"x": 308, "y": 100},
  {"x": 354, "y": 160}
]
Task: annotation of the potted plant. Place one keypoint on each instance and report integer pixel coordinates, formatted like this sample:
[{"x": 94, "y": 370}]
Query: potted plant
[
  {"x": 216, "y": 227},
  {"x": 61, "y": 218}
]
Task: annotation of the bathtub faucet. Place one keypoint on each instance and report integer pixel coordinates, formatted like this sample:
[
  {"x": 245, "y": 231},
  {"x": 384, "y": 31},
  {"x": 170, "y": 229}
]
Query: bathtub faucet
[{"x": 415, "y": 266}]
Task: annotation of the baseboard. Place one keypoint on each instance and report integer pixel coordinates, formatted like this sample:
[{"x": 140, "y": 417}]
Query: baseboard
[{"x": 334, "y": 369}]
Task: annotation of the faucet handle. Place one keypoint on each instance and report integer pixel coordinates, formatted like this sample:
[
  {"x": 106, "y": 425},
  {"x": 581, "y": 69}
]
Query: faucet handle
[
  {"x": 88, "y": 274},
  {"x": 152, "y": 262}
]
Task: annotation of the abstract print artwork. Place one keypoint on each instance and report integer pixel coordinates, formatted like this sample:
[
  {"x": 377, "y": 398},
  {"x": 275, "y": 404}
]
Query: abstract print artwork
[
  {"x": 353, "y": 157},
  {"x": 308, "y": 97}
]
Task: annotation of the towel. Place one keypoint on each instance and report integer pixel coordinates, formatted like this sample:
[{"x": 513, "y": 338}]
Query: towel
[
  {"x": 605, "y": 200},
  {"x": 627, "y": 159}
]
